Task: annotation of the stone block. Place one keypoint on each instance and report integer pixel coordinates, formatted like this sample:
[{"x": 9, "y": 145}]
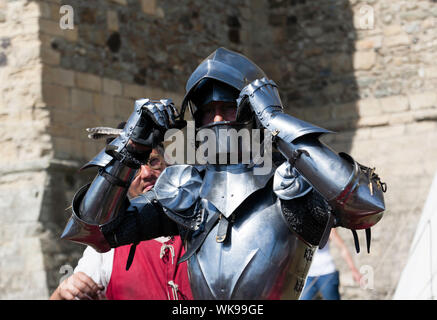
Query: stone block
[
  {"x": 369, "y": 107},
  {"x": 345, "y": 111},
  {"x": 388, "y": 131},
  {"x": 134, "y": 91},
  {"x": 112, "y": 87},
  {"x": 364, "y": 60},
  {"x": 317, "y": 114},
  {"x": 81, "y": 101},
  {"x": 56, "y": 96},
  {"x": 122, "y": 2},
  {"x": 104, "y": 105},
  {"x": 123, "y": 107},
  {"x": 394, "y": 104},
  {"x": 398, "y": 40},
  {"x": 401, "y": 117},
  {"x": 425, "y": 115},
  {"x": 369, "y": 43},
  {"x": 50, "y": 56},
  {"x": 430, "y": 72},
  {"x": 392, "y": 30},
  {"x": 149, "y": 6},
  {"x": 58, "y": 76},
  {"x": 112, "y": 20},
  {"x": 423, "y": 100},
  {"x": 25, "y": 54},
  {"x": 373, "y": 121},
  {"x": 64, "y": 147},
  {"x": 88, "y": 81},
  {"x": 52, "y": 27}
]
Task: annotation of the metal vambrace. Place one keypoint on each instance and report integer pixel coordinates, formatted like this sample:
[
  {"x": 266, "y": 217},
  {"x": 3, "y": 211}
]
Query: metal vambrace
[
  {"x": 144, "y": 219},
  {"x": 353, "y": 191},
  {"x": 98, "y": 204}
]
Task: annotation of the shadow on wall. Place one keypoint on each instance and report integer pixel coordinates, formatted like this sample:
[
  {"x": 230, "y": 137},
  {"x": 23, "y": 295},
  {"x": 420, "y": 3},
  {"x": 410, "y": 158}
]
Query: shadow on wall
[{"x": 308, "y": 48}]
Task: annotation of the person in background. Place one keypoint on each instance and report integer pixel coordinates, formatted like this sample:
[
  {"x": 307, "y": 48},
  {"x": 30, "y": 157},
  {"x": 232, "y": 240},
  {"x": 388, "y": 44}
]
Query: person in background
[
  {"x": 323, "y": 276},
  {"x": 154, "y": 273}
]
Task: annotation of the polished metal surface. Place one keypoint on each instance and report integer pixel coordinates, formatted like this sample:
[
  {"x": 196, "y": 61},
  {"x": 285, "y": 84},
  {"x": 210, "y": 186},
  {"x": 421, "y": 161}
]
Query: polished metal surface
[
  {"x": 260, "y": 258},
  {"x": 288, "y": 183},
  {"x": 225, "y": 142},
  {"x": 101, "y": 160},
  {"x": 80, "y": 231},
  {"x": 323, "y": 168},
  {"x": 361, "y": 202},
  {"x": 178, "y": 187},
  {"x": 103, "y": 200},
  {"x": 340, "y": 181},
  {"x": 121, "y": 141},
  {"x": 223, "y": 65},
  {"x": 265, "y": 101},
  {"x": 227, "y": 186}
]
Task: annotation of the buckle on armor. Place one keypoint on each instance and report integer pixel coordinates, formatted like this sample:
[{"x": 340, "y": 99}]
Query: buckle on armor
[{"x": 222, "y": 230}]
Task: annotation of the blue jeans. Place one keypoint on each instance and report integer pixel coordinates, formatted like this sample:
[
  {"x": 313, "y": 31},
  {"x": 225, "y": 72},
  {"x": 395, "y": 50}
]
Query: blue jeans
[{"x": 327, "y": 285}]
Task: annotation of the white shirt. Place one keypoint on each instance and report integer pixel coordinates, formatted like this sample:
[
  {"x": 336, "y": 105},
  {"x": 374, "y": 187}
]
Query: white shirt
[
  {"x": 322, "y": 263},
  {"x": 98, "y": 266}
]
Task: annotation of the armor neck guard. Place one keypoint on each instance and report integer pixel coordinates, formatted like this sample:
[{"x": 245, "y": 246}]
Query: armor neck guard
[{"x": 227, "y": 186}]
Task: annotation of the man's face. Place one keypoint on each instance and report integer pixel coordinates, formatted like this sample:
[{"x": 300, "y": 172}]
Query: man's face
[
  {"x": 147, "y": 175},
  {"x": 216, "y": 111}
]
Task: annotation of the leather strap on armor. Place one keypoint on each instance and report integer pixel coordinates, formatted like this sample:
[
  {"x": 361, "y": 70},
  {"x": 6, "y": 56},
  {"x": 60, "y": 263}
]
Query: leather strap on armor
[
  {"x": 113, "y": 179},
  {"x": 198, "y": 241}
]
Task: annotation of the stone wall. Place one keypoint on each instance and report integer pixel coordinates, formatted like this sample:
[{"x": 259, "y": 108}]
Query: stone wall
[
  {"x": 25, "y": 152},
  {"x": 374, "y": 86}
]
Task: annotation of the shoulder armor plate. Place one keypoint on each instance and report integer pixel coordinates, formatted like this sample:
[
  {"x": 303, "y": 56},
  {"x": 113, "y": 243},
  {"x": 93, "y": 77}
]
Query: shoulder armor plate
[{"x": 178, "y": 187}]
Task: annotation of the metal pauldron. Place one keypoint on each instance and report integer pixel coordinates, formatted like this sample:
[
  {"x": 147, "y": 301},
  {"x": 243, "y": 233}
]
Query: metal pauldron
[{"x": 177, "y": 190}]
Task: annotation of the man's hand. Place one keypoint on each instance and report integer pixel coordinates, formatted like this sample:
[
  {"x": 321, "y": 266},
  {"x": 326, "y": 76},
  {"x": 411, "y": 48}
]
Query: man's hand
[{"x": 78, "y": 286}]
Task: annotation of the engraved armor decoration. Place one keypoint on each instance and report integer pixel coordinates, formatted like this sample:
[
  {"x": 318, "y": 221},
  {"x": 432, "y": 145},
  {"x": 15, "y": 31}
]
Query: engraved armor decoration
[{"x": 248, "y": 236}]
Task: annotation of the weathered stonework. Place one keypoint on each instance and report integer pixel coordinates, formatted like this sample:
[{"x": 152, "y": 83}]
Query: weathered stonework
[{"x": 375, "y": 86}]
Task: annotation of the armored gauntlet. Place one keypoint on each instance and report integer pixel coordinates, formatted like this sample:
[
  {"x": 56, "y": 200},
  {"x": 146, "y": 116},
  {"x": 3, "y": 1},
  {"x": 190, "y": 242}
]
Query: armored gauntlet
[{"x": 353, "y": 191}]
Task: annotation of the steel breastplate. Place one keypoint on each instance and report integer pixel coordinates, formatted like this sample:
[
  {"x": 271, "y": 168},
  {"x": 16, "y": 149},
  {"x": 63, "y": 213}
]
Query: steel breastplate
[{"x": 260, "y": 258}]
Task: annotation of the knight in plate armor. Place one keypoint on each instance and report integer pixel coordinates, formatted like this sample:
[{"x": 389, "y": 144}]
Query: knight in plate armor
[{"x": 247, "y": 235}]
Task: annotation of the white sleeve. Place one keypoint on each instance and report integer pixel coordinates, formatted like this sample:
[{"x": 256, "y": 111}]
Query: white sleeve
[{"x": 98, "y": 266}]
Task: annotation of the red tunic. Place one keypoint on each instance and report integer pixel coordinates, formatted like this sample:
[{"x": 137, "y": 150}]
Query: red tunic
[{"x": 153, "y": 275}]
